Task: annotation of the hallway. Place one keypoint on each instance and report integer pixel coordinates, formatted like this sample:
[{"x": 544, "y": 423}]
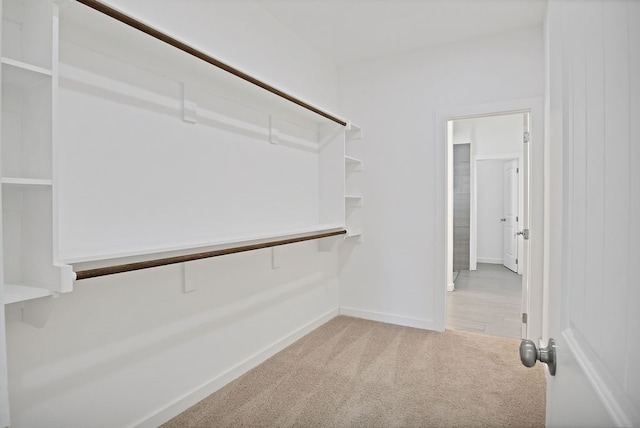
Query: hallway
[{"x": 486, "y": 301}]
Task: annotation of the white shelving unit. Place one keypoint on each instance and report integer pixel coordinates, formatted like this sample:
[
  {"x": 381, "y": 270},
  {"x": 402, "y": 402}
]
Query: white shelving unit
[
  {"x": 259, "y": 164},
  {"x": 29, "y": 81},
  {"x": 354, "y": 200},
  {"x": 39, "y": 248}
]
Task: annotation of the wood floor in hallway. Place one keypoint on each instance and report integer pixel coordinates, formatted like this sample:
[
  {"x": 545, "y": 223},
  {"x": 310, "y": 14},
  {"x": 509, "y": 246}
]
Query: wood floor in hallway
[{"x": 486, "y": 301}]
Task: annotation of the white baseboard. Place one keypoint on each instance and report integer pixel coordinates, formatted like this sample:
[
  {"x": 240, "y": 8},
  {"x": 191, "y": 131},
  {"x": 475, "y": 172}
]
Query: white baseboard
[
  {"x": 451, "y": 286},
  {"x": 491, "y": 261},
  {"x": 211, "y": 386},
  {"x": 388, "y": 318}
]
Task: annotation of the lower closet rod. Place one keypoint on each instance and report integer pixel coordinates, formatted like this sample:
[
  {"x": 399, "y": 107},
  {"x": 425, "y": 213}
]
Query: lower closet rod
[{"x": 110, "y": 270}]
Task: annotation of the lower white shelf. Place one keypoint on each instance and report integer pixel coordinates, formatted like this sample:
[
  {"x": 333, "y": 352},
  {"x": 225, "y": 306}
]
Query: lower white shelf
[
  {"x": 19, "y": 293},
  {"x": 141, "y": 254},
  {"x": 22, "y": 74},
  {"x": 355, "y": 199},
  {"x": 26, "y": 182}
]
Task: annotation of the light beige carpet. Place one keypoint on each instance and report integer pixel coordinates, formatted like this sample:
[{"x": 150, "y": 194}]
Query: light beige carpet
[{"x": 356, "y": 373}]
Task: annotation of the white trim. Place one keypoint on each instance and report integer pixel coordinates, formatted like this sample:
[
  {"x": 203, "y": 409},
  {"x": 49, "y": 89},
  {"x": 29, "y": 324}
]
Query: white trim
[
  {"x": 535, "y": 106},
  {"x": 451, "y": 286},
  {"x": 498, "y": 156},
  {"x": 490, "y": 261},
  {"x": 612, "y": 395},
  {"x": 389, "y": 318},
  {"x": 209, "y": 387}
]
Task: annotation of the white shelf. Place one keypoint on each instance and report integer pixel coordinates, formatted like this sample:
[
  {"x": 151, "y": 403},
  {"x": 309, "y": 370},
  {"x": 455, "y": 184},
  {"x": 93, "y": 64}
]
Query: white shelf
[
  {"x": 352, "y": 161},
  {"x": 26, "y": 182},
  {"x": 353, "y": 132},
  {"x": 357, "y": 200},
  {"x": 21, "y": 74},
  {"x": 355, "y": 235},
  {"x": 19, "y": 293},
  {"x": 174, "y": 250}
]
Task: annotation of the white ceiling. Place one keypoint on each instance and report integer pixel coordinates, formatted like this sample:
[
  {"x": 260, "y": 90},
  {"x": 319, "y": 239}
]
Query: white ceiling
[{"x": 347, "y": 31}]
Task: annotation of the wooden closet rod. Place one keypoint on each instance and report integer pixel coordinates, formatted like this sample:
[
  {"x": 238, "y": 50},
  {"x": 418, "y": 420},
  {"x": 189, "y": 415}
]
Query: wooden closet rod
[
  {"x": 132, "y": 22},
  {"x": 110, "y": 270}
]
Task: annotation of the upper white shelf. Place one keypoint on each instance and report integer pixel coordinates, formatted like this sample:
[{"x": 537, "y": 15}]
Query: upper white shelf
[
  {"x": 19, "y": 293},
  {"x": 353, "y": 132},
  {"x": 22, "y": 74},
  {"x": 139, "y": 41}
]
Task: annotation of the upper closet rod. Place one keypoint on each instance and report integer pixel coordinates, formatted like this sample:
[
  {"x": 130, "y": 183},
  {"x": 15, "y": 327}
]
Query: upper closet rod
[
  {"x": 132, "y": 22},
  {"x": 110, "y": 270}
]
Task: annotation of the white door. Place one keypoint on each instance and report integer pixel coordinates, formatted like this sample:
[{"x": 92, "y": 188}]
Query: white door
[
  {"x": 593, "y": 199},
  {"x": 510, "y": 215}
]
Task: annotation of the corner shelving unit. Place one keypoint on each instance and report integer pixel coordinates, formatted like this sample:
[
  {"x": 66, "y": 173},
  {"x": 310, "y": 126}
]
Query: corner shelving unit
[
  {"x": 28, "y": 58},
  {"x": 354, "y": 200}
]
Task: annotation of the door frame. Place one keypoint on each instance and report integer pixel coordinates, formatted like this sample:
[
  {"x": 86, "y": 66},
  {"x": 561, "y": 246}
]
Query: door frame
[
  {"x": 473, "y": 226},
  {"x": 443, "y": 242}
]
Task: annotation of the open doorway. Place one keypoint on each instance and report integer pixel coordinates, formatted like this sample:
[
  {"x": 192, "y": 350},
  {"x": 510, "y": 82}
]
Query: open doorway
[{"x": 487, "y": 266}]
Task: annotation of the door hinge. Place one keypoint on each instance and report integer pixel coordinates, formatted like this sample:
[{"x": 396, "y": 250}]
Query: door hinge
[
  {"x": 516, "y": 219},
  {"x": 526, "y": 137},
  {"x": 516, "y": 261},
  {"x": 524, "y": 318},
  {"x": 517, "y": 170}
]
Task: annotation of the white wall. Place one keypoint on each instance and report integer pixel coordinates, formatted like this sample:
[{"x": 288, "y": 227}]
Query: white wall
[
  {"x": 243, "y": 35},
  {"x": 497, "y": 135},
  {"x": 490, "y": 197},
  {"x": 399, "y": 271},
  {"x": 130, "y": 348}
]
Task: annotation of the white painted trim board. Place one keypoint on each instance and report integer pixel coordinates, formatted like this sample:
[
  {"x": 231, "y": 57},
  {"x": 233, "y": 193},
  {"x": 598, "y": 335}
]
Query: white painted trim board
[{"x": 389, "y": 318}]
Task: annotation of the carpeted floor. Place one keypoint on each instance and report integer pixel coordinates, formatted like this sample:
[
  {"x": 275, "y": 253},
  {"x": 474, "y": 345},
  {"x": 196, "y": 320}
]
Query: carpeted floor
[{"x": 357, "y": 373}]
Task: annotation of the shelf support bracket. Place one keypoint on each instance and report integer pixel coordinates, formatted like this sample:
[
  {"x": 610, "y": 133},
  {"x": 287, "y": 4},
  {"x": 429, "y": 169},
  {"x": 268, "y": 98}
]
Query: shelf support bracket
[
  {"x": 274, "y": 134},
  {"x": 189, "y": 107},
  {"x": 189, "y": 278},
  {"x": 275, "y": 257}
]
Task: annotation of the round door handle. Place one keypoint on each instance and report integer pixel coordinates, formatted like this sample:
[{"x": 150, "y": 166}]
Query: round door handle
[{"x": 529, "y": 354}]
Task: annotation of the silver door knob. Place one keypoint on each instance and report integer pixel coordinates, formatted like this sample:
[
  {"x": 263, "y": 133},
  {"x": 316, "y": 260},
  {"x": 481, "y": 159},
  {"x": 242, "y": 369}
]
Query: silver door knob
[{"x": 529, "y": 354}]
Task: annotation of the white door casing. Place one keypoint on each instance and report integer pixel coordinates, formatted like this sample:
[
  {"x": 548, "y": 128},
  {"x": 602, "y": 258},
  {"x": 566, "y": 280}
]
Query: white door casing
[
  {"x": 510, "y": 215},
  {"x": 592, "y": 199},
  {"x": 532, "y": 216},
  {"x": 4, "y": 384}
]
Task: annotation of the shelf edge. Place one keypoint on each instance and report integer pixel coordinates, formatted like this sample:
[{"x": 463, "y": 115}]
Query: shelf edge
[
  {"x": 192, "y": 256},
  {"x": 19, "y": 181},
  {"x": 14, "y": 293},
  {"x": 26, "y": 66},
  {"x": 200, "y": 245}
]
